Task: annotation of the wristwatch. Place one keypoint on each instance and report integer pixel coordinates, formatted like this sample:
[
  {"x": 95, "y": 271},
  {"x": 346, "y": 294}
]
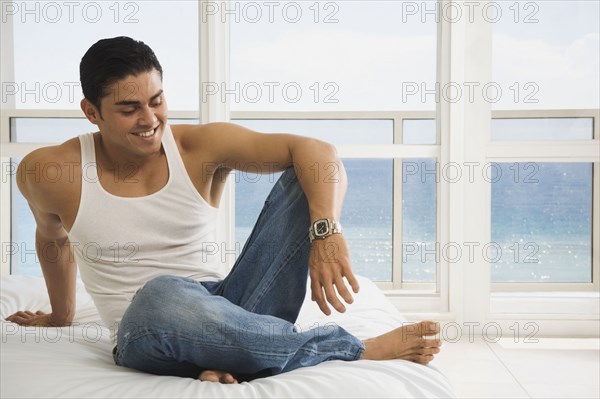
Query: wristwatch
[{"x": 323, "y": 228}]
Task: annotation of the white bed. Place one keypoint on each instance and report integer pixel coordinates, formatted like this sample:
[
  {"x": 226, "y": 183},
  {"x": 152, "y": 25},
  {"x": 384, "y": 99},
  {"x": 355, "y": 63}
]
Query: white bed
[{"x": 76, "y": 361}]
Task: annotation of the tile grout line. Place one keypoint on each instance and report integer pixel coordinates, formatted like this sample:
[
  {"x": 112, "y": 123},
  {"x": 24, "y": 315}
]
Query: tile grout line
[{"x": 507, "y": 368}]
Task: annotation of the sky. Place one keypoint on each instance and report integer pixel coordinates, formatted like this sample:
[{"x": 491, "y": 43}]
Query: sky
[{"x": 307, "y": 55}]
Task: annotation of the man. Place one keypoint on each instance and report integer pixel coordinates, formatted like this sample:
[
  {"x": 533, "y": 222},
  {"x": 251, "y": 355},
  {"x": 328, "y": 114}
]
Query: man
[{"x": 144, "y": 197}]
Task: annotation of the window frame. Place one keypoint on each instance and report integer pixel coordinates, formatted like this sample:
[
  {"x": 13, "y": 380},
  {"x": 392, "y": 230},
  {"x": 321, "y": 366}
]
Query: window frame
[
  {"x": 464, "y": 292},
  {"x": 559, "y": 151}
]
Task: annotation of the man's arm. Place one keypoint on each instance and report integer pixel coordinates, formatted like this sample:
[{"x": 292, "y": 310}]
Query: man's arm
[
  {"x": 54, "y": 252},
  {"x": 323, "y": 179}
]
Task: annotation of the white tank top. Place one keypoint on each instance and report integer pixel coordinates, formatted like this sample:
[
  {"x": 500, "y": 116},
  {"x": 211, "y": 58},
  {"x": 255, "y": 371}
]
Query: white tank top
[{"x": 121, "y": 243}]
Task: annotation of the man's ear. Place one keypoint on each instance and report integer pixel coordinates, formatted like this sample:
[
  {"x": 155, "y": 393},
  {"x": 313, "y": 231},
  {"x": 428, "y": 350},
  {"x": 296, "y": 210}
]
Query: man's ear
[{"x": 90, "y": 111}]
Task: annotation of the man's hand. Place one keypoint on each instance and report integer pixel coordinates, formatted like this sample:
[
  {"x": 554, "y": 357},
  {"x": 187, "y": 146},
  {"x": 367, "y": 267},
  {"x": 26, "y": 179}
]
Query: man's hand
[
  {"x": 38, "y": 319},
  {"x": 329, "y": 264}
]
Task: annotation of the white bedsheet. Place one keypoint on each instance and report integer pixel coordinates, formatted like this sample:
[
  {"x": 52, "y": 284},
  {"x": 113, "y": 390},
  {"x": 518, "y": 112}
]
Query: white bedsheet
[{"x": 76, "y": 361}]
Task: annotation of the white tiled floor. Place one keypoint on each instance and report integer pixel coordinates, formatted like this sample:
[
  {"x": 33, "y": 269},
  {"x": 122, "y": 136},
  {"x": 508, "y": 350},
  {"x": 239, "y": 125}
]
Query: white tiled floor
[{"x": 550, "y": 368}]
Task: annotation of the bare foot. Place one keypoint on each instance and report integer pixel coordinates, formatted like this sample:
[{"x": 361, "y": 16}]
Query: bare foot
[
  {"x": 217, "y": 376},
  {"x": 407, "y": 342}
]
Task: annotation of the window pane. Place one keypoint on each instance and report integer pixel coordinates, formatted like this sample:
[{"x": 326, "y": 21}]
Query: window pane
[
  {"x": 543, "y": 129},
  {"x": 334, "y": 131},
  {"x": 418, "y": 131},
  {"x": 366, "y": 215},
  {"x": 344, "y": 55},
  {"x": 183, "y": 121},
  {"x": 536, "y": 65},
  {"x": 57, "y": 34},
  {"x": 58, "y": 130},
  {"x": 541, "y": 222},
  {"x": 419, "y": 220},
  {"x": 48, "y": 130}
]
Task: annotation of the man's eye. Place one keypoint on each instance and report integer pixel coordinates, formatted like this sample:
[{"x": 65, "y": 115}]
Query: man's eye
[
  {"x": 127, "y": 112},
  {"x": 155, "y": 104}
]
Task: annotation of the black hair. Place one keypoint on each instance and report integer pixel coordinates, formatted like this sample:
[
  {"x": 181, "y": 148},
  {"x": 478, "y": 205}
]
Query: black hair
[{"x": 109, "y": 60}]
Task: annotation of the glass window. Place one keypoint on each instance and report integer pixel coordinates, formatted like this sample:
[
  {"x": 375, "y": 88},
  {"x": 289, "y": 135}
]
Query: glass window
[
  {"x": 418, "y": 131},
  {"x": 419, "y": 248},
  {"x": 518, "y": 129},
  {"x": 48, "y": 130},
  {"x": 537, "y": 65},
  {"x": 326, "y": 55},
  {"x": 58, "y": 130},
  {"x": 334, "y": 131},
  {"x": 367, "y": 216},
  {"x": 541, "y": 222},
  {"x": 57, "y": 34}
]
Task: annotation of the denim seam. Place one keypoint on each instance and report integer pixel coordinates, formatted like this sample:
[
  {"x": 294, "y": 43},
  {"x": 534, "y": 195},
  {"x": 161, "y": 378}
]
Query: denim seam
[
  {"x": 354, "y": 354},
  {"x": 193, "y": 339},
  {"x": 265, "y": 209}
]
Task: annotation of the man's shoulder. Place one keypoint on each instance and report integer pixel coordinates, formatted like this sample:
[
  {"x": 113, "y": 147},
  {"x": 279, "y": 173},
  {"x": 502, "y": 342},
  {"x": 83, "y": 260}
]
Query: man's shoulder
[
  {"x": 51, "y": 164},
  {"x": 64, "y": 152},
  {"x": 202, "y": 137},
  {"x": 188, "y": 136}
]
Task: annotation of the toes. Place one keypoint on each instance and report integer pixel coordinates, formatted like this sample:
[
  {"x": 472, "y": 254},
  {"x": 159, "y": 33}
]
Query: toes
[
  {"x": 208, "y": 375},
  {"x": 429, "y": 343},
  {"x": 423, "y": 328},
  {"x": 423, "y": 359},
  {"x": 429, "y": 327},
  {"x": 227, "y": 378},
  {"x": 217, "y": 376},
  {"x": 430, "y": 351}
]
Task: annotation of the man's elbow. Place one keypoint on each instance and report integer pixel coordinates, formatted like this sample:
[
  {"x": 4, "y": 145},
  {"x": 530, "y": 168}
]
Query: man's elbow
[
  {"x": 320, "y": 146},
  {"x": 50, "y": 235}
]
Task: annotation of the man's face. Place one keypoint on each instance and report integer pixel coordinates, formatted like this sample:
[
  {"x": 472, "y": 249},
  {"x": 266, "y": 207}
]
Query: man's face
[{"x": 134, "y": 113}]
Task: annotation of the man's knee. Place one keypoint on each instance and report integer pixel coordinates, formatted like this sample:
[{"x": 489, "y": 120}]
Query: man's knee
[
  {"x": 157, "y": 289},
  {"x": 155, "y": 307},
  {"x": 171, "y": 298},
  {"x": 155, "y": 297},
  {"x": 161, "y": 283}
]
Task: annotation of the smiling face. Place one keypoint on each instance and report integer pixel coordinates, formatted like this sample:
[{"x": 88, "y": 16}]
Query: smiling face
[{"x": 132, "y": 115}]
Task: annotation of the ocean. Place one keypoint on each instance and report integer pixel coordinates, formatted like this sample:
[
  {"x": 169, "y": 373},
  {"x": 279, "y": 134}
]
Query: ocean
[{"x": 541, "y": 221}]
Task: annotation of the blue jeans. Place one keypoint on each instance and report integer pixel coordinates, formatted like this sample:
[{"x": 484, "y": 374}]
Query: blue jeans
[{"x": 244, "y": 323}]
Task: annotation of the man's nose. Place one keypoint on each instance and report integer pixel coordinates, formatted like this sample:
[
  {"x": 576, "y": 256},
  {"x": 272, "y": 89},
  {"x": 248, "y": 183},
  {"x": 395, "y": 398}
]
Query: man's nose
[{"x": 147, "y": 117}]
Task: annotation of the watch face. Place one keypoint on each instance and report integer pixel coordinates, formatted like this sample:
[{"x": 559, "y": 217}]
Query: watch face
[{"x": 321, "y": 228}]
